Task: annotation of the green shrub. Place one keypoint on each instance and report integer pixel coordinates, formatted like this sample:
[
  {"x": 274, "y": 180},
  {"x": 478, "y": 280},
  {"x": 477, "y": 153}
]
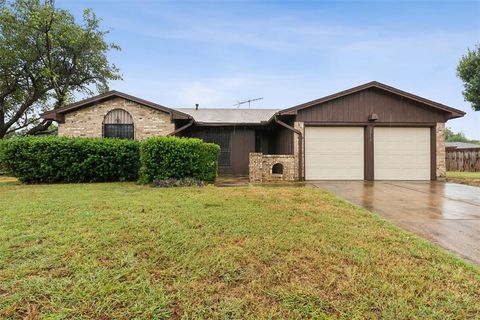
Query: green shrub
[
  {"x": 61, "y": 159},
  {"x": 178, "y": 158}
]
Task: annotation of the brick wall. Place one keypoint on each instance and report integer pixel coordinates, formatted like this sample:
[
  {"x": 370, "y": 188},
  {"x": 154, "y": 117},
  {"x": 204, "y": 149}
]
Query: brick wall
[
  {"x": 87, "y": 122},
  {"x": 260, "y": 167}
]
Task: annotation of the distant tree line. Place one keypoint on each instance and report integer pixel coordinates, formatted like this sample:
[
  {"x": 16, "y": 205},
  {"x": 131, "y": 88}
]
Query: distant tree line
[{"x": 451, "y": 136}]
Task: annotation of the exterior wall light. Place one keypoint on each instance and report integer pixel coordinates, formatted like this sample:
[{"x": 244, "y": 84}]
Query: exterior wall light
[{"x": 373, "y": 117}]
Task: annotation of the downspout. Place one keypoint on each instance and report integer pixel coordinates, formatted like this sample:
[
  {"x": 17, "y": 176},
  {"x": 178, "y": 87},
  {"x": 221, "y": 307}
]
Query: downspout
[
  {"x": 300, "y": 145},
  {"x": 182, "y": 128}
]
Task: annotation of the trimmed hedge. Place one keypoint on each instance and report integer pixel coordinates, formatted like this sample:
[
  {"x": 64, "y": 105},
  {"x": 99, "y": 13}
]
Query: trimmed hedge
[
  {"x": 61, "y": 159},
  {"x": 178, "y": 158}
]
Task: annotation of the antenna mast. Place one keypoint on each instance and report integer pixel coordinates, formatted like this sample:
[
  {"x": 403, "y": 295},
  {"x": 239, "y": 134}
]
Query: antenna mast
[{"x": 239, "y": 103}]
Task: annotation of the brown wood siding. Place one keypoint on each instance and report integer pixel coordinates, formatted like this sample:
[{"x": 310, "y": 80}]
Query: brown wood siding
[
  {"x": 283, "y": 141},
  {"x": 358, "y": 106},
  {"x": 242, "y": 143},
  {"x": 263, "y": 141}
]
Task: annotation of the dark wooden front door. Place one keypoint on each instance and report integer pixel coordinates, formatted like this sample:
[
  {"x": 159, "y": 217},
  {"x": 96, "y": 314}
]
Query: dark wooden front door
[{"x": 243, "y": 142}]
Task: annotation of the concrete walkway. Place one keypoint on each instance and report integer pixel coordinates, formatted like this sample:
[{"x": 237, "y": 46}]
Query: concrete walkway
[{"x": 445, "y": 213}]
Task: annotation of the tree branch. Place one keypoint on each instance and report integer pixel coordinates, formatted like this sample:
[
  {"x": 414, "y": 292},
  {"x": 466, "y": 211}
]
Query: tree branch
[
  {"x": 22, "y": 126},
  {"x": 40, "y": 127}
]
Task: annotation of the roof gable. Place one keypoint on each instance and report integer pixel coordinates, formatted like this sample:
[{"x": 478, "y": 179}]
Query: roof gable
[
  {"x": 58, "y": 113},
  {"x": 453, "y": 113}
]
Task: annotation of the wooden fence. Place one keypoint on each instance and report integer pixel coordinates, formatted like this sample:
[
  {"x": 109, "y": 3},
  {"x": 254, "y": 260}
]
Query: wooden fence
[{"x": 463, "y": 159}]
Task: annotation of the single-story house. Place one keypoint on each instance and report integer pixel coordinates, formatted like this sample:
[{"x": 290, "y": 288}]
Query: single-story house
[{"x": 369, "y": 132}]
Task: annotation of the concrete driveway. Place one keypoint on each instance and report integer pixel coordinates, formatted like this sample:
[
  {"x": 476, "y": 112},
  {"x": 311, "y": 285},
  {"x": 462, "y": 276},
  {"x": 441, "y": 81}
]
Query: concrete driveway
[{"x": 445, "y": 213}]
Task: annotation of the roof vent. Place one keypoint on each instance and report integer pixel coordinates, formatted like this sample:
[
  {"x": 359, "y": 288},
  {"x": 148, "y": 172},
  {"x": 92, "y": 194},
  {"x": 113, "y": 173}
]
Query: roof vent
[{"x": 196, "y": 106}]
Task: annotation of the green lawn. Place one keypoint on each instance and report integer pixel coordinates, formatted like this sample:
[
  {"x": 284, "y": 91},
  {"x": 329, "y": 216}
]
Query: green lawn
[
  {"x": 123, "y": 251},
  {"x": 471, "y": 178}
]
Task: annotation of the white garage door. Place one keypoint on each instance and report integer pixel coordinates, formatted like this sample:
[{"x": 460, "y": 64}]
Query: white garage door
[
  {"x": 334, "y": 153},
  {"x": 402, "y": 153}
]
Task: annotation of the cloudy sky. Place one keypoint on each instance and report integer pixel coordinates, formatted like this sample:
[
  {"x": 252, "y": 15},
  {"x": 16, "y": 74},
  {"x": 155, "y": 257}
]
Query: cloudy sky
[{"x": 219, "y": 52}]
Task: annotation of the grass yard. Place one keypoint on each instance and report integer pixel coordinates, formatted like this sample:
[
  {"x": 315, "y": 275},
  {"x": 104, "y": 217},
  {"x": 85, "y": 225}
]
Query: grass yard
[
  {"x": 470, "y": 178},
  {"x": 124, "y": 251}
]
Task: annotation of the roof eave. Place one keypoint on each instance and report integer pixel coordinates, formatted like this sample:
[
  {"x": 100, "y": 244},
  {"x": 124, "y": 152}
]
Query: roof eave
[
  {"x": 456, "y": 115},
  {"x": 204, "y": 124},
  {"x": 54, "y": 116}
]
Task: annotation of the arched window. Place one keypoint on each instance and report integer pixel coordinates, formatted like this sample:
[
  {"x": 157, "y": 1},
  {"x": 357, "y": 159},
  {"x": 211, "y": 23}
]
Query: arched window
[
  {"x": 118, "y": 123},
  {"x": 277, "y": 168}
]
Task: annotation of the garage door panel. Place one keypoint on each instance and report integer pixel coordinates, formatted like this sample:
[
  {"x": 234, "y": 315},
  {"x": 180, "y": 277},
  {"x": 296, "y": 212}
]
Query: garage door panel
[
  {"x": 381, "y": 160},
  {"x": 400, "y": 147},
  {"x": 334, "y": 153},
  {"x": 402, "y": 153}
]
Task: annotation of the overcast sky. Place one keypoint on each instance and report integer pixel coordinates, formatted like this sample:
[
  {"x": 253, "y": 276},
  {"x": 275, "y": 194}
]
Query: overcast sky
[{"x": 217, "y": 53}]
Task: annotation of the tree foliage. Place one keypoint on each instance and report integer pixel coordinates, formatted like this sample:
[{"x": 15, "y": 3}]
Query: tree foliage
[
  {"x": 469, "y": 71},
  {"x": 451, "y": 136},
  {"x": 46, "y": 58}
]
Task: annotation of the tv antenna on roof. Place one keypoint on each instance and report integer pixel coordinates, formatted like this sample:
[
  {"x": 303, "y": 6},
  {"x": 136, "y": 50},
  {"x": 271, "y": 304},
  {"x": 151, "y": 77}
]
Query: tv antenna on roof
[{"x": 239, "y": 103}]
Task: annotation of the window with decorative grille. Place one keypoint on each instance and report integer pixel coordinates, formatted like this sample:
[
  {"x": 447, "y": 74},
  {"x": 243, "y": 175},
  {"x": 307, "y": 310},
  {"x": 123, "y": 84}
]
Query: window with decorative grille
[{"x": 118, "y": 123}]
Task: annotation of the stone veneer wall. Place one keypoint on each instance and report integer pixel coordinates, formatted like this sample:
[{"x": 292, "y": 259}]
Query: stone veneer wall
[
  {"x": 441, "y": 155},
  {"x": 296, "y": 146},
  {"x": 87, "y": 122},
  {"x": 260, "y": 167}
]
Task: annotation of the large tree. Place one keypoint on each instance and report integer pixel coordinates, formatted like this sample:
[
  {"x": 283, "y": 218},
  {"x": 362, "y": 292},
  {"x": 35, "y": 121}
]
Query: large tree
[
  {"x": 469, "y": 71},
  {"x": 46, "y": 57}
]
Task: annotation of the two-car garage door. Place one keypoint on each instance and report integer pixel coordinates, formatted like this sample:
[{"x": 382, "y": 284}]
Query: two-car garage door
[{"x": 338, "y": 153}]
